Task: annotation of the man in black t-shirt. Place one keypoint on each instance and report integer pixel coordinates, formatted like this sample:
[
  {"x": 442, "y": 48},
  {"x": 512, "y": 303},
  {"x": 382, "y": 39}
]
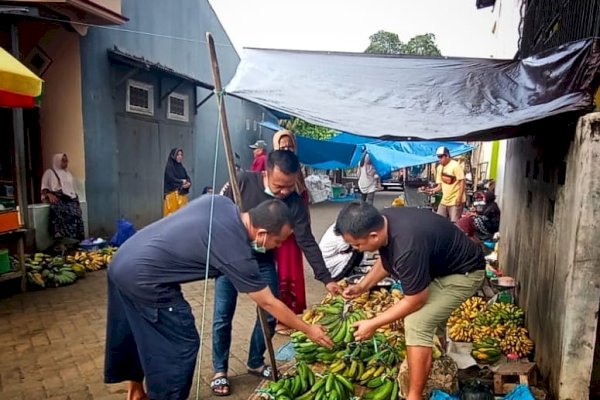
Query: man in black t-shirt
[
  {"x": 437, "y": 265},
  {"x": 151, "y": 334}
]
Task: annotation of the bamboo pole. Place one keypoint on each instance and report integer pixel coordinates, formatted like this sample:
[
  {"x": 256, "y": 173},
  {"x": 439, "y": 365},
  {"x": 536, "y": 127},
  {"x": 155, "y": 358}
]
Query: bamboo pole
[{"x": 233, "y": 180}]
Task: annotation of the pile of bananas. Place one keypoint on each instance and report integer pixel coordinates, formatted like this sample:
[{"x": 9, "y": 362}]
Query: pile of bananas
[
  {"x": 517, "y": 341},
  {"x": 93, "y": 260},
  {"x": 376, "y": 301},
  {"x": 294, "y": 385},
  {"x": 508, "y": 314},
  {"x": 486, "y": 351},
  {"x": 461, "y": 324},
  {"x": 475, "y": 321},
  {"x": 44, "y": 270}
]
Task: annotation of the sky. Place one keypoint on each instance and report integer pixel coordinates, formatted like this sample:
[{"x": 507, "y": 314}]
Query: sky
[{"x": 345, "y": 25}]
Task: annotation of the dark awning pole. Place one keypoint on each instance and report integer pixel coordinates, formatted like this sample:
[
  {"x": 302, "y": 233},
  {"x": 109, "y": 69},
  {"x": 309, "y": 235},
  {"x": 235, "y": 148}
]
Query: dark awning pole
[
  {"x": 233, "y": 180},
  {"x": 19, "y": 138}
]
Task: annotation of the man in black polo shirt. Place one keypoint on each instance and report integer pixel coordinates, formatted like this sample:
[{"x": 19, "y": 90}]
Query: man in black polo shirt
[
  {"x": 278, "y": 181},
  {"x": 437, "y": 265}
]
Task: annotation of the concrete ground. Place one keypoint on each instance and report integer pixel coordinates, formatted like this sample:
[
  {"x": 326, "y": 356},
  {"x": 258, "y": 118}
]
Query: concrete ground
[{"x": 52, "y": 341}]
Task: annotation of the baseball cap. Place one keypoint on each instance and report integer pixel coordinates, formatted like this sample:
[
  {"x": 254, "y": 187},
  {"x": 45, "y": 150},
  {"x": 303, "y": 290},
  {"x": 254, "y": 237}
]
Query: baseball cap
[
  {"x": 442, "y": 151},
  {"x": 259, "y": 144}
]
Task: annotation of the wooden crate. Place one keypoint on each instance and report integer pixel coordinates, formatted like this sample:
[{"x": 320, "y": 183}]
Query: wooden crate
[{"x": 510, "y": 375}]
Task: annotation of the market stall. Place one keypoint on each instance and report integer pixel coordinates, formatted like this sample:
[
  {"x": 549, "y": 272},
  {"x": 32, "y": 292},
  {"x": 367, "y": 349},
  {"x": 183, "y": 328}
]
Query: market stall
[{"x": 18, "y": 89}]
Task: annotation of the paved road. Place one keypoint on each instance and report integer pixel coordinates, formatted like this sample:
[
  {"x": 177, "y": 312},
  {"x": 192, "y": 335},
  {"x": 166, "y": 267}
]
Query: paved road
[{"x": 52, "y": 341}]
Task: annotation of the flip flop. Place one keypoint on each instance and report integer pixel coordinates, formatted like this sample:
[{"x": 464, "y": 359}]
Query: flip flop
[
  {"x": 266, "y": 372},
  {"x": 218, "y": 384}
]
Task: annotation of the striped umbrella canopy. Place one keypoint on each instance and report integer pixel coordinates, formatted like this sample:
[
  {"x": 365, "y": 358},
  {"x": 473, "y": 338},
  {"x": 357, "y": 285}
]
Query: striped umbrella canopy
[{"x": 18, "y": 85}]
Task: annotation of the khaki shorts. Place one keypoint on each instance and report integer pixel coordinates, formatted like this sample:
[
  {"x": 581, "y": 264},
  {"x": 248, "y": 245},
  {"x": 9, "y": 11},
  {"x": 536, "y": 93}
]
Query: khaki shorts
[
  {"x": 445, "y": 295},
  {"x": 452, "y": 212}
]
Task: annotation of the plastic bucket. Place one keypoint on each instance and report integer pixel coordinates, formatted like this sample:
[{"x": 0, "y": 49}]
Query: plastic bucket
[{"x": 4, "y": 261}]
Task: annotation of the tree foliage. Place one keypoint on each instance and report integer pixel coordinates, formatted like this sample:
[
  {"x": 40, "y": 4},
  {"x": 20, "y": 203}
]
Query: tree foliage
[
  {"x": 303, "y": 128},
  {"x": 383, "y": 42},
  {"x": 422, "y": 45}
]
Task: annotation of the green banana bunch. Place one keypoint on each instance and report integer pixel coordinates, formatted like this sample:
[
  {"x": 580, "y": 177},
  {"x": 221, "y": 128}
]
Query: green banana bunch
[
  {"x": 383, "y": 388},
  {"x": 331, "y": 386},
  {"x": 291, "y": 386}
]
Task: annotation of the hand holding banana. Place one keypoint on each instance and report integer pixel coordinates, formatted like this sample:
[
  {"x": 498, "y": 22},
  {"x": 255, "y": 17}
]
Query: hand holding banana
[
  {"x": 352, "y": 292},
  {"x": 365, "y": 329},
  {"x": 333, "y": 288},
  {"x": 317, "y": 334}
]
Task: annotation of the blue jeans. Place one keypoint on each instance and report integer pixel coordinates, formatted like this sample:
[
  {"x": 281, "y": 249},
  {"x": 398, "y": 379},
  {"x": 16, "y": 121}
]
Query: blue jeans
[{"x": 224, "y": 309}]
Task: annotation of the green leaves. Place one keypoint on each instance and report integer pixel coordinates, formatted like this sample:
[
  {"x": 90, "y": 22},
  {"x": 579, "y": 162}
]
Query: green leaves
[
  {"x": 383, "y": 42},
  {"x": 303, "y": 128}
]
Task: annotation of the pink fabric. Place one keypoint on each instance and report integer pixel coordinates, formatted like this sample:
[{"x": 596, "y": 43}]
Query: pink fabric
[{"x": 290, "y": 271}]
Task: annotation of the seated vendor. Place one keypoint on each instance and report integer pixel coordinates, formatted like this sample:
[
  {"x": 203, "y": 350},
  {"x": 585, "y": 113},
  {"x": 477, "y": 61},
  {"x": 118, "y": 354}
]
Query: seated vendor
[
  {"x": 482, "y": 225},
  {"x": 339, "y": 256}
]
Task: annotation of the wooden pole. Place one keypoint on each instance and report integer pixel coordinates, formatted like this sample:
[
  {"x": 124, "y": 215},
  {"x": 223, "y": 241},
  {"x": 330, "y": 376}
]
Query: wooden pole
[
  {"x": 233, "y": 181},
  {"x": 19, "y": 140}
]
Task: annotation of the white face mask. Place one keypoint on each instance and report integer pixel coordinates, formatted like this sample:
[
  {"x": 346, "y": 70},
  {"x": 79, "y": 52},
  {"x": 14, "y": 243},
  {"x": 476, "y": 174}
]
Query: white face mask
[
  {"x": 259, "y": 249},
  {"x": 269, "y": 191}
]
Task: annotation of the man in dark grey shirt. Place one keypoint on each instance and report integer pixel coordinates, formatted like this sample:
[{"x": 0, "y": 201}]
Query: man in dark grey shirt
[
  {"x": 151, "y": 333},
  {"x": 278, "y": 181}
]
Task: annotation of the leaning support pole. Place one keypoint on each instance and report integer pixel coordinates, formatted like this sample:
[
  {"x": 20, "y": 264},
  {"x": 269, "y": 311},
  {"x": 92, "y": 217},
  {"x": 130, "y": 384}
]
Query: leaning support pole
[{"x": 233, "y": 179}]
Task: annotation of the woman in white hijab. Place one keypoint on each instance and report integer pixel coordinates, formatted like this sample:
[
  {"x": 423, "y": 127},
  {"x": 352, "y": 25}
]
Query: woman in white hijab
[{"x": 65, "y": 211}]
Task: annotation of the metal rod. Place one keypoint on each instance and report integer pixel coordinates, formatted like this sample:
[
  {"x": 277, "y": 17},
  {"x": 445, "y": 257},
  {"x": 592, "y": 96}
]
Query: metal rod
[
  {"x": 262, "y": 316},
  {"x": 19, "y": 137}
]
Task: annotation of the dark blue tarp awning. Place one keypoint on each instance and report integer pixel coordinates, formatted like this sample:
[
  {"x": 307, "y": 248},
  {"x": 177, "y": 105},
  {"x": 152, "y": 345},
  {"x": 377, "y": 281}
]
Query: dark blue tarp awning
[{"x": 430, "y": 98}]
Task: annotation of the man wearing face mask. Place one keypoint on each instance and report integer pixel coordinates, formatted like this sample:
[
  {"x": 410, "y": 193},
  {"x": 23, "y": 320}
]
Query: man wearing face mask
[
  {"x": 151, "y": 335},
  {"x": 278, "y": 181}
]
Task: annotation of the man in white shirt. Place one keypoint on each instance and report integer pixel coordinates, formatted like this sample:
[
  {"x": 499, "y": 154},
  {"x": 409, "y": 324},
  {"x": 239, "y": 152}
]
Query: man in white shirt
[{"x": 339, "y": 256}]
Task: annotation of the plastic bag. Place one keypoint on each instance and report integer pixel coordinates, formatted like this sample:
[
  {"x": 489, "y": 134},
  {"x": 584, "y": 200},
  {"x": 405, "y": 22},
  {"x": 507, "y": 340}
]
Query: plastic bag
[
  {"x": 475, "y": 390},
  {"x": 125, "y": 230},
  {"x": 520, "y": 392},
  {"x": 441, "y": 395}
]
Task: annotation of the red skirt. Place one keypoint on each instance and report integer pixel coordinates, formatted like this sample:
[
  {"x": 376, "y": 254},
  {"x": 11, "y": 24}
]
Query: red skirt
[{"x": 290, "y": 270}]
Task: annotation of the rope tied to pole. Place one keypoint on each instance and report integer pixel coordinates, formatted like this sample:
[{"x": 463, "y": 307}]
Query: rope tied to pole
[{"x": 208, "y": 248}]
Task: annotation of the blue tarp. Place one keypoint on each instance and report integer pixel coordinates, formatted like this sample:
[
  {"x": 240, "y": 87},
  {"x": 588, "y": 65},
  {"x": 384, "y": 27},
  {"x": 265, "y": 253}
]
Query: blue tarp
[{"x": 345, "y": 149}]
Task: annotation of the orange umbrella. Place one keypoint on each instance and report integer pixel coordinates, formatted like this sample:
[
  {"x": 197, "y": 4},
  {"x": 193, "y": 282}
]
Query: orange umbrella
[{"x": 18, "y": 85}]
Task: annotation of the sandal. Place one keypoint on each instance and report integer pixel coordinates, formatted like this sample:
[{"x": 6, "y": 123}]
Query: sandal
[
  {"x": 265, "y": 372},
  {"x": 220, "y": 386}
]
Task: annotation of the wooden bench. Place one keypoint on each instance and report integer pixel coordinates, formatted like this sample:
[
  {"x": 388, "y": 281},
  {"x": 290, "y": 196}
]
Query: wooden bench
[{"x": 512, "y": 374}]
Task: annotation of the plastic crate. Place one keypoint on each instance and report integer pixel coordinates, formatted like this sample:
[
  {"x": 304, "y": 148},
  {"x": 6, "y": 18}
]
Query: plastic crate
[{"x": 4, "y": 261}]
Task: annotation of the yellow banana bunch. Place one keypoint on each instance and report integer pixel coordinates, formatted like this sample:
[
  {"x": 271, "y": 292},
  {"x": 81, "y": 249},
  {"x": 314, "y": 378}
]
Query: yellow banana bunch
[{"x": 517, "y": 341}]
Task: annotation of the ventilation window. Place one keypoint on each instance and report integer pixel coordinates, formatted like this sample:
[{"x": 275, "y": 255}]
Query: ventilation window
[
  {"x": 140, "y": 98},
  {"x": 527, "y": 169},
  {"x": 178, "y": 108},
  {"x": 529, "y": 198}
]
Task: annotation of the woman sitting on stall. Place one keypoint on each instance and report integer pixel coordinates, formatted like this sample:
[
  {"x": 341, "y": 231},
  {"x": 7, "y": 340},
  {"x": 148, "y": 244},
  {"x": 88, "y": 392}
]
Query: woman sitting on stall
[
  {"x": 177, "y": 183},
  {"x": 58, "y": 189},
  {"x": 483, "y": 225}
]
